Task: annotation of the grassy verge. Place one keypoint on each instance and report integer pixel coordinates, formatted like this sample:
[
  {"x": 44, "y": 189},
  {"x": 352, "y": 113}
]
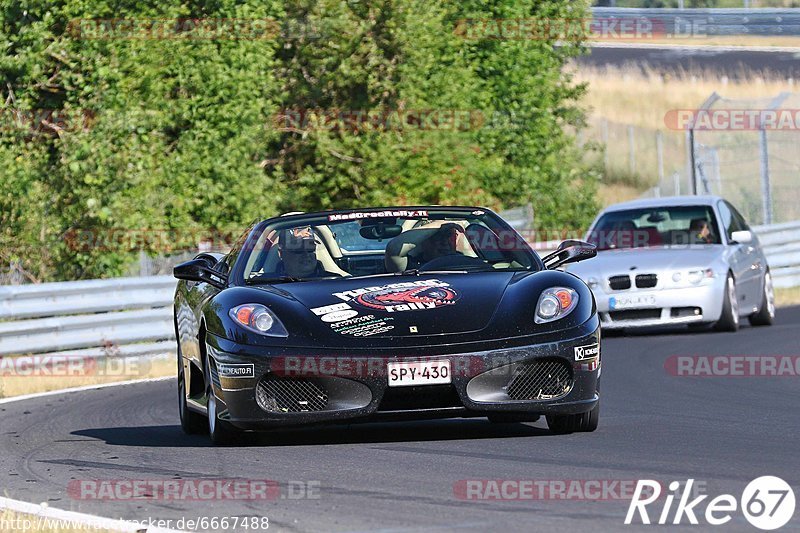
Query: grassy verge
[
  {"x": 629, "y": 96},
  {"x": 12, "y": 521},
  {"x": 786, "y": 297},
  {"x": 29, "y": 384}
]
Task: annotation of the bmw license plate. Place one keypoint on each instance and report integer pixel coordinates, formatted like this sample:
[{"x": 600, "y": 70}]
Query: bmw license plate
[
  {"x": 419, "y": 373},
  {"x": 632, "y": 302}
]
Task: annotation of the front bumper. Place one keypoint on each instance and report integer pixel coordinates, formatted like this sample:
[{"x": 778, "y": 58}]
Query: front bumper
[
  {"x": 549, "y": 380},
  {"x": 634, "y": 308}
]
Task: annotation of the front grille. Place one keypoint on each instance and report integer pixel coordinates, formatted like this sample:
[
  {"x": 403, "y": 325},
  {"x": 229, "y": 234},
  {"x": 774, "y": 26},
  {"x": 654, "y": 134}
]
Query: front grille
[
  {"x": 619, "y": 283},
  {"x": 542, "y": 379},
  {"x": 636, "y": 314},
  {"x": 285, "y": 395},
  {"x": 646, "y": 281}
]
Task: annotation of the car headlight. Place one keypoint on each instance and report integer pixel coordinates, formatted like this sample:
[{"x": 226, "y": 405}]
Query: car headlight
[
  {"x": 555, "y": 303},
  {"x": 259, "y": 318},
  {"x": 696, "y": 276}
]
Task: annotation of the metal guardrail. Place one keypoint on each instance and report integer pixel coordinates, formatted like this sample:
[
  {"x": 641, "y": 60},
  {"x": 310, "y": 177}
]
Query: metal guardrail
[
  {"x": 781, "y": 243},
  {"x": 133, "y": 316},
  {"x": 122, "y": 316},
  {"x": 696, "y": 22}
]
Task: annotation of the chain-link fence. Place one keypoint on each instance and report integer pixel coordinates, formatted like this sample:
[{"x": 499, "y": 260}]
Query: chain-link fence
[
  {"x": 642, "y": 157},
  {"x": 745, "y": 150},
  {"x": 749, "y": 152}
]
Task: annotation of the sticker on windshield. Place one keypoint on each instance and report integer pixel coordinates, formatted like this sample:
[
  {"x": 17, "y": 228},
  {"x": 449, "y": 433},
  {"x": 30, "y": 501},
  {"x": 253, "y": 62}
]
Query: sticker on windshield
[{"x": 359, "y": 215}]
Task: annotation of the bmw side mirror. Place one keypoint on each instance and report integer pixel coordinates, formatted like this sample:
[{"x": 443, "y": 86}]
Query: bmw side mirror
[
  {"x": 569, "y": 251},
  {"x": 741, "y": 237},
  {"x": 201, "y": 269}
]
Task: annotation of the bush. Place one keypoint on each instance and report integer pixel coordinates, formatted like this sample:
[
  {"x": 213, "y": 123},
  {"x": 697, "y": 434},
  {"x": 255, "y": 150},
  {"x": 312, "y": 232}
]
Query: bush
[{"x": 186, "y": 133}]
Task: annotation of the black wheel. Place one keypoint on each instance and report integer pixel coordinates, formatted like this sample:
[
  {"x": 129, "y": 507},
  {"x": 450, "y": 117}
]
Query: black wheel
[
  {"x": 729, "y": 320},
  {"x": 571, "y": 423},
  {"x": 220, "y": 431},
  {"x": 766, "y": 313},
  {"x": 191, "y": 423}
]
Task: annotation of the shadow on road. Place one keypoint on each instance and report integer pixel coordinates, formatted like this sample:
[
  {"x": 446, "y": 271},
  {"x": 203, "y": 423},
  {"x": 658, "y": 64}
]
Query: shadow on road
[{"x": 432, "y": 430}]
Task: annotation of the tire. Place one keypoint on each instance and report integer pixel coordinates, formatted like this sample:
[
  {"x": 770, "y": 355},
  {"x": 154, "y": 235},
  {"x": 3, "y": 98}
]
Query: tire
[
  {"x": 220, "y": 431},
  {"x": 582, "y": 422},
  {"x": 766, "y": 313},
  {"x": 729, "y": 319},
  {"x": 191, "y": 423}
]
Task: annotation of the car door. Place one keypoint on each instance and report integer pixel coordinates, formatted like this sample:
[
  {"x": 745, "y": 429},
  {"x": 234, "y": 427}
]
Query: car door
[
  {"x": 740, "y": 256},
  {"x": 756, "y": 262}
]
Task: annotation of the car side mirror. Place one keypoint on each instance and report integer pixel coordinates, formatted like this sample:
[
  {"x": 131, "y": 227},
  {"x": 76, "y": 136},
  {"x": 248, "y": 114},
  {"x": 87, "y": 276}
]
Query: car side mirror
[
  {"x": 741, "y": 237},
  {"x": 569, "y": 251},
  {"x": 201, "y": 268}
]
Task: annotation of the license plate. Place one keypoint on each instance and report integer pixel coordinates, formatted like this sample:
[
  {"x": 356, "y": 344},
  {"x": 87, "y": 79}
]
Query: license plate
[
  {"x": 419, "y": 373},
  {"x": 632, "y": 302}
]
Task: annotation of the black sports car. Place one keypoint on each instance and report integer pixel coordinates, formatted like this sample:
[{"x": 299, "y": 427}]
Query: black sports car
[{"x": 390, "y": 313}]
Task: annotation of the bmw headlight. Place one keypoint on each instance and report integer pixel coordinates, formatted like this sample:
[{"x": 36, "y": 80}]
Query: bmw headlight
[
  {"x": 555, "y": 303},
  {"x": 260, "y": 319},
  {"x": 697, "y": 276}
]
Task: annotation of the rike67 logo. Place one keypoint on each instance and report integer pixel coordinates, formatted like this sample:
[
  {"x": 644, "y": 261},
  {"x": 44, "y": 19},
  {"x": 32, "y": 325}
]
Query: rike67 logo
[{"x": 767, "y": 502}]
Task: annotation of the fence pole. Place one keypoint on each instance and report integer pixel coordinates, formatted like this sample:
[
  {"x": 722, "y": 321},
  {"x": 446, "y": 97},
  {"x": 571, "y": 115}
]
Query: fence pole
[
  {"x": 660, "y": 156},
  {"x": 691, "y": 171},
  {"x": 632, "y": 151},
  {"x": 766, "y": 192},
  {"x": 676, "y": 180}
]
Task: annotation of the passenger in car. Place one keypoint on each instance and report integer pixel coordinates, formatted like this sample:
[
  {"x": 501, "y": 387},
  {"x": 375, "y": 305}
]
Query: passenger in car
[{"x": 298, "y": 252}]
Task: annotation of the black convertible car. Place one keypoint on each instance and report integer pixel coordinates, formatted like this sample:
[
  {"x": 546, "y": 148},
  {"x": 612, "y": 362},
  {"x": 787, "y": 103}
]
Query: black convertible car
[{"x": 390, "y": 313}]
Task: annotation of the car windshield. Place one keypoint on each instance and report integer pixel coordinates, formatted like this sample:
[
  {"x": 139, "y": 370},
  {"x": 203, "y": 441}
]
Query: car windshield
[
  {"x": 655, "y": 226},
  {"x": 375, "y": 243}
]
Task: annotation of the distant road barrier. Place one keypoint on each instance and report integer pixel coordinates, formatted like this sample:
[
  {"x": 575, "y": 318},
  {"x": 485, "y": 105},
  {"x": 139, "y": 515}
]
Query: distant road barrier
[
  {"x": 713, "y": 21},
  {"x": 94, "y": 318}
]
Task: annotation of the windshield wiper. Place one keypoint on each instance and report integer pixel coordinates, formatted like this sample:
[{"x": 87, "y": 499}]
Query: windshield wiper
[{"x": 276, "y": 279}]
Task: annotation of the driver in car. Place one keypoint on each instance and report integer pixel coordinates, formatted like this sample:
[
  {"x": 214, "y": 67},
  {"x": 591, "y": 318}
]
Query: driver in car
[
  {"x": 443, "y": 245},
  {"x": 298, "y": 251},
  {"x": 701, "y": 231}
]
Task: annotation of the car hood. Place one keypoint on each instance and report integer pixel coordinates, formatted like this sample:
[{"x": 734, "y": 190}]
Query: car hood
[
  {"x": 384, "y": 306},
  {"x": 647, "y": 260}
]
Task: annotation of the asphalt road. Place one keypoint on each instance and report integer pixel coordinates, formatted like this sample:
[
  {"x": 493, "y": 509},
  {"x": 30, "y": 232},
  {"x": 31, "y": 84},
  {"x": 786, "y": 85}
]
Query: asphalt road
[
  {"x": 722, "y": 432},
  {"x": 735, "y": 64}
]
